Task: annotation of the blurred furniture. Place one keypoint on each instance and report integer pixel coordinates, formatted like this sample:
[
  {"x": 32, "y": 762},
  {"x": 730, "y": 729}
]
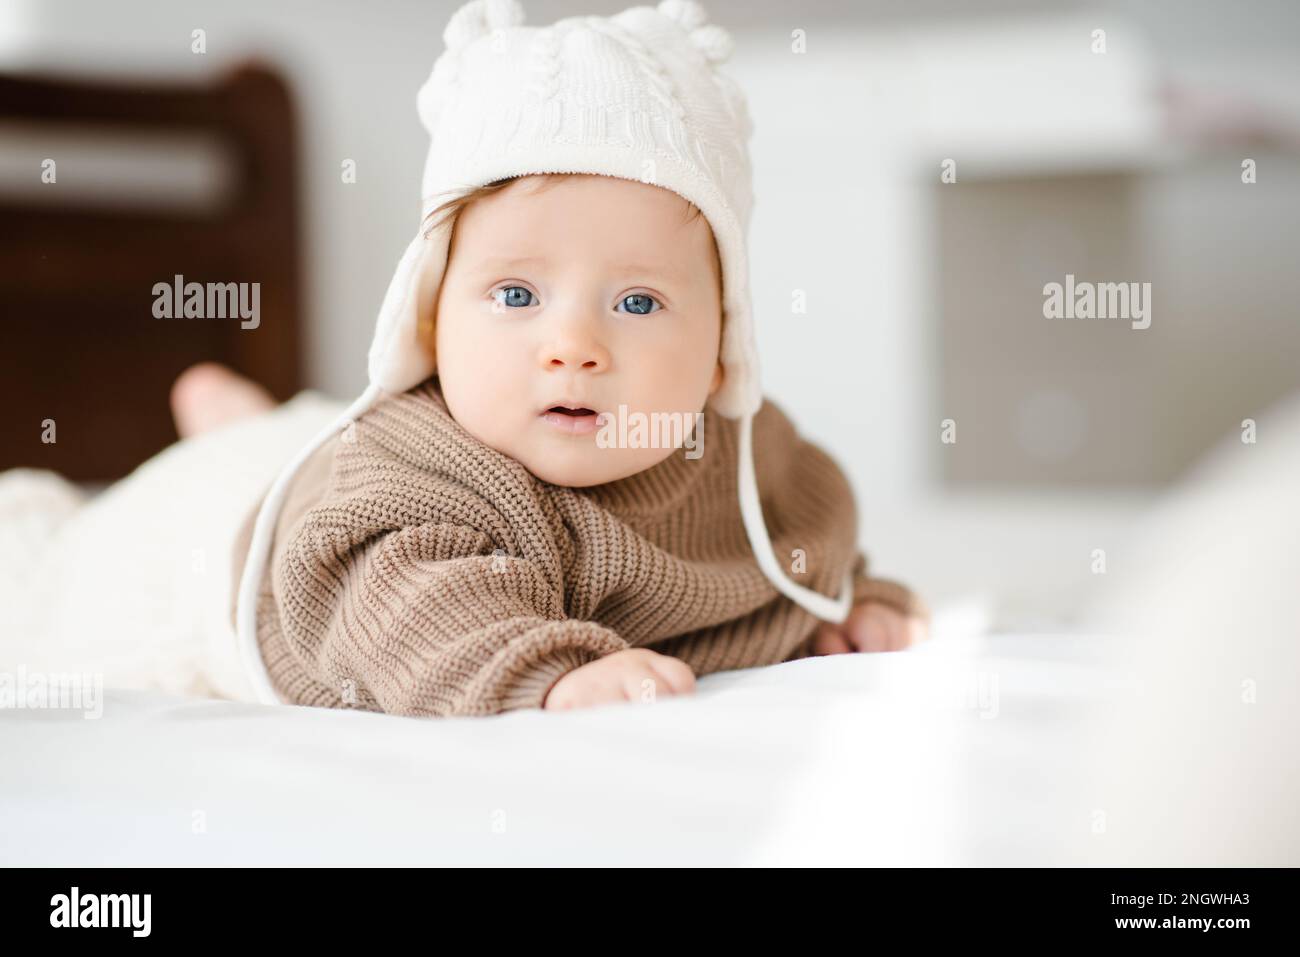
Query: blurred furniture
[{"x": 153, "y": 180}]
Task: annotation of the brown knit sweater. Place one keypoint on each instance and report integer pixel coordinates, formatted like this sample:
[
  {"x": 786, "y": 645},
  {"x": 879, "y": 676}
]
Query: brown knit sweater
[{"x": 416, "y": 571}]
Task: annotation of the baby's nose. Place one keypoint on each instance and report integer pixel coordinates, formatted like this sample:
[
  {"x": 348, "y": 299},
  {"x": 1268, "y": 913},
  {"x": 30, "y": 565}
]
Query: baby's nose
[{"x": 574, "y": 354}]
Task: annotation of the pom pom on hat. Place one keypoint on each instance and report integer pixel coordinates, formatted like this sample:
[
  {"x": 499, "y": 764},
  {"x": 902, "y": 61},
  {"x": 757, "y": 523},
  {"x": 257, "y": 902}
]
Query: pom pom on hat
[
  {"x": 480, "y": 18},
  {"x": 713, "y": 41},
  {"x": 710, "y": 39},
  {"x": 690, "y": 14}
]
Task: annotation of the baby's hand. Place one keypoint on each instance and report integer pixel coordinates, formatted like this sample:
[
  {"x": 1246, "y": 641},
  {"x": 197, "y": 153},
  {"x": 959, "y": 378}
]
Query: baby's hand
[
  {"x": 634, "y": 674},
  {"x": 870, "y": 626}
]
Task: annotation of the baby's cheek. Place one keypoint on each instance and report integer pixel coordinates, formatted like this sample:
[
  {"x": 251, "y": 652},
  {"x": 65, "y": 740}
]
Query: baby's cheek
[{"x": 673, "y": 377}]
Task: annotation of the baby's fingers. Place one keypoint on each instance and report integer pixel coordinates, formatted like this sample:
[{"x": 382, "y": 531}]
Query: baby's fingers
[
  {"x": 918, "y": 630},
  {"x": 900, "y": 637},
  {"x": 869, "y": 630},
  {"x": 829, "y": 640},
  {"x": 642, "y": 685},
  {"x": 676, "y": 674}
]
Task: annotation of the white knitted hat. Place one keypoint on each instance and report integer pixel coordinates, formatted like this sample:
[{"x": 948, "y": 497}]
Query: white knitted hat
[{"x": 638, "y": 96}]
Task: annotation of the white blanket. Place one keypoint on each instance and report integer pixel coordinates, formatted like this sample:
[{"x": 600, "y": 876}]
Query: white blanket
[{"x": 963, "y": 752}]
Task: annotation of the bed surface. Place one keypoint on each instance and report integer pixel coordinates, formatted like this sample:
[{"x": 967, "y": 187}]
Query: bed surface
[{"x": 906, "y": 758}]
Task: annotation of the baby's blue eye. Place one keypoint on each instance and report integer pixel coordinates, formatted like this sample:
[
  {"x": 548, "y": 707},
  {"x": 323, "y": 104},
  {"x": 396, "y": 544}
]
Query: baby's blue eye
[
  {"x": 639, "y": 304},
  {"x": 513, "y": 296}
]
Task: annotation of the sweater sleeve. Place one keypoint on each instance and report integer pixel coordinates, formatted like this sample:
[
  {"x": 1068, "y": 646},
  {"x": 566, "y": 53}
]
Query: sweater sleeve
[{"x": 427, "y": 620}]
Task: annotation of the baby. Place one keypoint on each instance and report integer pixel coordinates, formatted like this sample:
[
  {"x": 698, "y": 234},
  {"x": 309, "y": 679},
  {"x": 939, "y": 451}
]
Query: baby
[{"x": 492, "y": 525}]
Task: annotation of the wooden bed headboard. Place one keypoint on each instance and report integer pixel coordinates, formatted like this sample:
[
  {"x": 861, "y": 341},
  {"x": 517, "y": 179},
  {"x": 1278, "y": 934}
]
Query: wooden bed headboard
[{"x": 113, "y": 191}]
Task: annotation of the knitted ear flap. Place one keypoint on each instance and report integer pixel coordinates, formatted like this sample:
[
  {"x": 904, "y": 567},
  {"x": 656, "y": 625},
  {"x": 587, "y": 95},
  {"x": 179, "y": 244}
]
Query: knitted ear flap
[{"x": 399, "y": 359}]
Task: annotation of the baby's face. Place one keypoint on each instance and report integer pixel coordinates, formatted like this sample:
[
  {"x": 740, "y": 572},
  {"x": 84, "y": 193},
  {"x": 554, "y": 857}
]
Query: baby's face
[{"x": 566, "y": 299}]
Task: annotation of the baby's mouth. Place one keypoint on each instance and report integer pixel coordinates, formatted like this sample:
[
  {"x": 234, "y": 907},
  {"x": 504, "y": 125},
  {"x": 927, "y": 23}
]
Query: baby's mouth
[{"x": 574, "y": 420}]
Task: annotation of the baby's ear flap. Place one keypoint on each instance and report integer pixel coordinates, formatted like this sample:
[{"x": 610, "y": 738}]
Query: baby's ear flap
[
  {"x": 398, "y": 358},
  {"x": 426, "y": 326}
]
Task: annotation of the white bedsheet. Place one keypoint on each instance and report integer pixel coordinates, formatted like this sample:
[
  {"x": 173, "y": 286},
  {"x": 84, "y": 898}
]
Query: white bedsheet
[{"x": 965, "y": 751}]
